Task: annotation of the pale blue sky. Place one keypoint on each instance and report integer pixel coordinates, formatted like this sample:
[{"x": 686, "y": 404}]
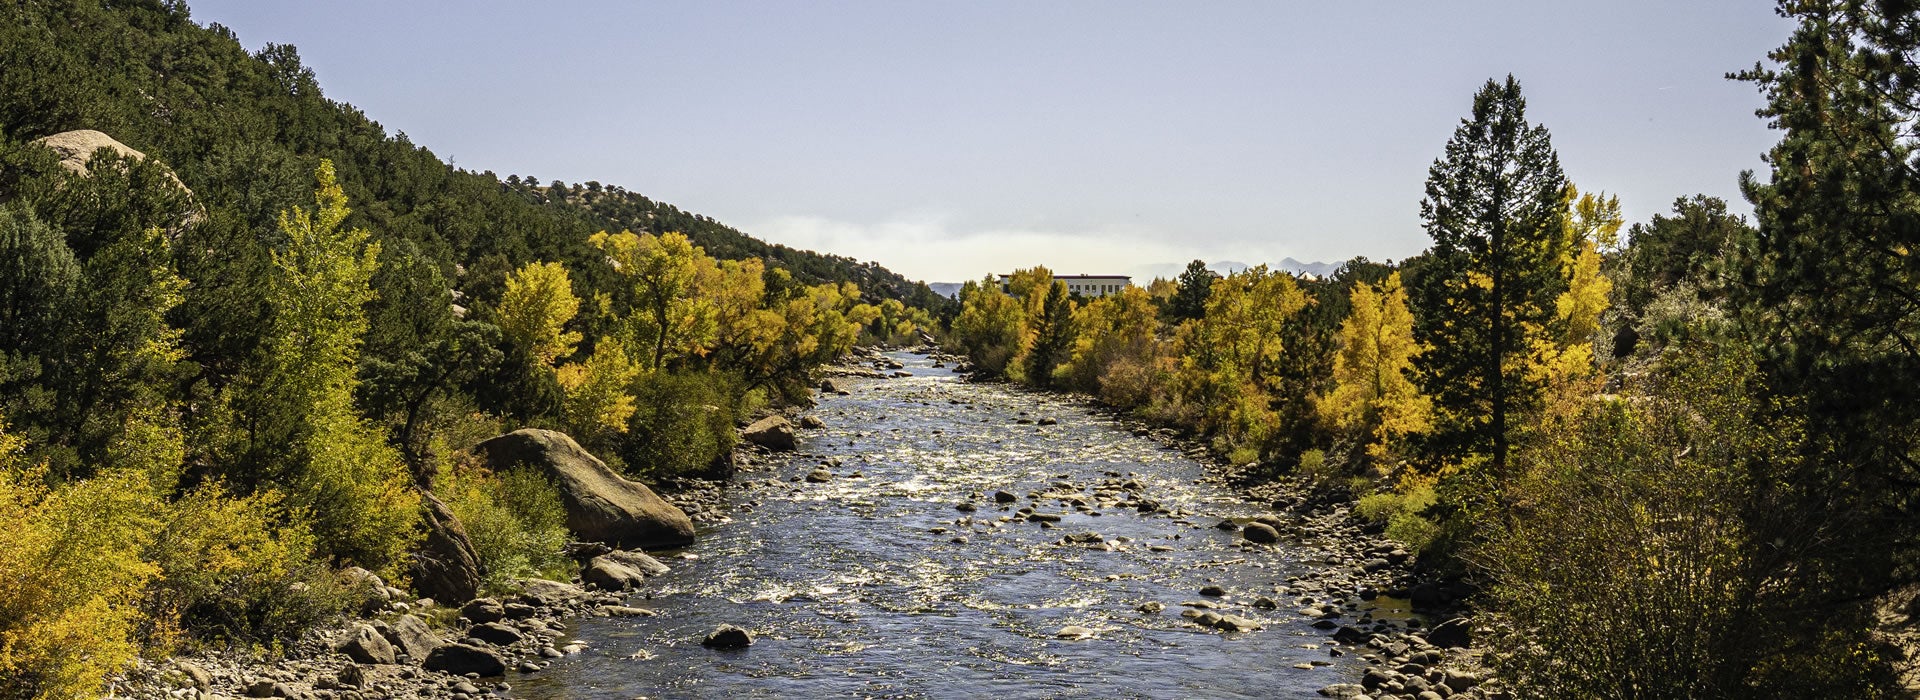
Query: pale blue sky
[{"x": 949, "y": 140}]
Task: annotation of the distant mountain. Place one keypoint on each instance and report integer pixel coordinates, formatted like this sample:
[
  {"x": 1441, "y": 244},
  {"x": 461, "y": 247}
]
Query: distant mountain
[
  {"x": 950, "y": 290},
  {"x": 1317, "y": 269}
]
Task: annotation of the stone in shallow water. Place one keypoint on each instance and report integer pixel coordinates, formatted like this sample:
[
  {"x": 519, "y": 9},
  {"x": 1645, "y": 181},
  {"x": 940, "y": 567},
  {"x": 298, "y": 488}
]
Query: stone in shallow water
[
  {"x": 1074, "y": 632},
  {"x": 728, "y": 637}
]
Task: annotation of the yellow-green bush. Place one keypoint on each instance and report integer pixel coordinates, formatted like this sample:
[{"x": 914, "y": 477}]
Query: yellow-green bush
[
  {"x": 514, "y": 518},
  {"x": 1402, "y": 512},
  {"x": 236, "y": 568},
  {"x": 70, "y": 577}
]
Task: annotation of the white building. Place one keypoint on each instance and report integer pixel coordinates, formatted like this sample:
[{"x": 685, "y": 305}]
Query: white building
[{"x": 1087, "y": 285}]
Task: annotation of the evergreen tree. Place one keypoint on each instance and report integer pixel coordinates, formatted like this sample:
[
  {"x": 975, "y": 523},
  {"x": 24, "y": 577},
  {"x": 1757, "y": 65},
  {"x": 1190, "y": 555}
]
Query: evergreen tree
[
  {"x": 1495, "y": 211},
  {"x": 1190, "y": 300},
  {"x": 1052, "y": 336},
  {"x": 1829, "y": 289}
]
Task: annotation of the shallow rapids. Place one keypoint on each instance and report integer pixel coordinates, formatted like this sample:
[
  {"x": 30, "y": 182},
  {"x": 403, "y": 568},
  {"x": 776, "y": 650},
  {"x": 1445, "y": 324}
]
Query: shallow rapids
[{"x": 873, "y": 584}]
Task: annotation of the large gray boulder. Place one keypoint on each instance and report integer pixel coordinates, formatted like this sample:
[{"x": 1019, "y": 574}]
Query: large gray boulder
[
  {"x": 601, "y": 506},
  {"x": 366, "y": 646},
  {"x": 411, "y": 637},
  {"x": 772, "y": 432},
  {"x": 445, "y": 567}
]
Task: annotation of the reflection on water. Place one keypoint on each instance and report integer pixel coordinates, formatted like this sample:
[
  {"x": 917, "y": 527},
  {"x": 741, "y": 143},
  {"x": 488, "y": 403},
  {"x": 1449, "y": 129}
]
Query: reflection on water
[{"x": 875, "y": 585}]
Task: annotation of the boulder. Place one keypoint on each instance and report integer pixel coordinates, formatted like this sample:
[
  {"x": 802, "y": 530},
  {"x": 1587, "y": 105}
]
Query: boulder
[
  {"x": 1261, "y": 533},
  {"x": 484, "y": 610},
  {"x": 601, "y": 506},
  {"x": 812, "y": 422},
  {"x": 76, "y": 149},
  {"x": 365, "y": 645},
  {"x": 772, "y": 432},
  {"x": 819, "y": 476},
  {"x": 462, "y": 659},
  {"x": 445, "y": 567},
  {"x": 540, "y": 591},
  {"x": 370, "y": 593},
  {"x": 620, "y": 570},
  {"x": 498, "y": 633},
  {"x": 1452, "y": 634},
  {"x": 833, "y": 387},
  {"x": 727, "y": 637},
  {"x": 411, "y": 637}
]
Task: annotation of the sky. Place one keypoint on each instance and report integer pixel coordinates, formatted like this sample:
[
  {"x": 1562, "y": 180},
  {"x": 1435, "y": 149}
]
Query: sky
[{"x": 949, "y": 140}]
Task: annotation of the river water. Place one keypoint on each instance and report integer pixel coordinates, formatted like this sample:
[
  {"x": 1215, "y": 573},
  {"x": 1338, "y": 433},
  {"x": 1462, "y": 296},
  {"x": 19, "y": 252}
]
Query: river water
[{"x": 875, "y": 585}]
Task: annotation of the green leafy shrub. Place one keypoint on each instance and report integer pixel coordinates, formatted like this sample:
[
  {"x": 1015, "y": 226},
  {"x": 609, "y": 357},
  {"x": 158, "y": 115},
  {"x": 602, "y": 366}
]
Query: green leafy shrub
[
  {"x": 682, "y": 425},
  {"x": 514, "y": 518},
  {"x": 1655, "y": 527},
  {"x": 1403, "y": 512}
]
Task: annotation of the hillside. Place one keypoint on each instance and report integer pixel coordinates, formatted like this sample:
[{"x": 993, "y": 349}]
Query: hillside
[{"x": 243, "y": 131}]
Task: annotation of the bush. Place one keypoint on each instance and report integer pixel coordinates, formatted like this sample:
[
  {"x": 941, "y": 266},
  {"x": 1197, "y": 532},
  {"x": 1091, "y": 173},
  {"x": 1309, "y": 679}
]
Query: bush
[
  {"x": 682, "y": 425},
  {"x": 70, "y": 574},
  {"x": 514, "y": 518},
  {"x": 234, "y": 569},
  {"x": 1630, "y": 562},
  {"x": 1403, "y": 512}
]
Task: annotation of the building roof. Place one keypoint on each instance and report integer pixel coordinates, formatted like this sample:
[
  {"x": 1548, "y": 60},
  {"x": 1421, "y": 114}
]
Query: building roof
[{"x": 1087, "y": 277}]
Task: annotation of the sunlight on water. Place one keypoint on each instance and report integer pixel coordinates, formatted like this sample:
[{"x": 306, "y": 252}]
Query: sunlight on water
[{"x": 875, "y": 585}]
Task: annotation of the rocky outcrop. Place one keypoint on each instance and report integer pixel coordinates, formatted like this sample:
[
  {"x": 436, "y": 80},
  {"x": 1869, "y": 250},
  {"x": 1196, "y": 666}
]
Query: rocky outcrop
[
  {"x": 601, "y": 506},
  {"x": 445, "y": 568},
  {"x": 772, "y": 432},
  {"x": 77, "y": 148}
]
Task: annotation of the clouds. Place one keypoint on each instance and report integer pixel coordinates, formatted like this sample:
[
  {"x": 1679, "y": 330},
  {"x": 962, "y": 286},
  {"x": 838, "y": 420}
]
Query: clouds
[{"x": 933, "y": 248}]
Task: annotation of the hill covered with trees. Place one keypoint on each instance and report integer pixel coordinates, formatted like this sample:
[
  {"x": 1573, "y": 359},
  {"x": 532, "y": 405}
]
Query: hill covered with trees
[{"x": 247, "y": 336}]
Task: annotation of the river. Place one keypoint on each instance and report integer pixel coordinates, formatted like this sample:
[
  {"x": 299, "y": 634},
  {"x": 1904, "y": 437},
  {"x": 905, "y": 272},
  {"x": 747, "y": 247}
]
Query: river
[{"x": 874, "y": 584}]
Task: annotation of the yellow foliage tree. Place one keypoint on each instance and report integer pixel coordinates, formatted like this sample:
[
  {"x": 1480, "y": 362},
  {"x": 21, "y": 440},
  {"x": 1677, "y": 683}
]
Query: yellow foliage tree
[
  {"x": 598, "y": 400},
  {"x": 354, "y": 484},
  {"x": 1372, "y": 395},
  {"x": 536, "y": 308},
  {"x": 670, "y": 318}
]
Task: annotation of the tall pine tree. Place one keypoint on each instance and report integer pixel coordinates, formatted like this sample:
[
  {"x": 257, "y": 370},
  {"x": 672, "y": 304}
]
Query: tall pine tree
[{"x": 1495, "y": 210}]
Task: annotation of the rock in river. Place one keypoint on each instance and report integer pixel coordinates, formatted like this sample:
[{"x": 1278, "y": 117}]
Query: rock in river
[
  {"x": 620, "y": 570},
  {"x": 728, "y": 637},
  {"x": 1261, "y": 533},
  {"x": 772, "y": 432},
  {"x": 601, "y": 506}
]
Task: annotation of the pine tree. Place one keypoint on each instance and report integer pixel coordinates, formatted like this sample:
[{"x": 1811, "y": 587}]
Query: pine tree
[
  {"x": 1190, "y": 298},
  {"x": 1495, "y": 211}
]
